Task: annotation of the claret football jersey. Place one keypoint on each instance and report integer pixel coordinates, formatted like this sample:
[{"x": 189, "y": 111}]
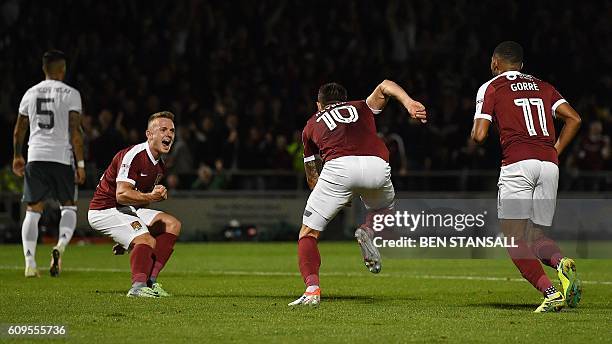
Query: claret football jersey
[
  {"x": 522, "y": 108},
  {"x": 135, "y": 165},
  {"x": 343, "y": 129}
]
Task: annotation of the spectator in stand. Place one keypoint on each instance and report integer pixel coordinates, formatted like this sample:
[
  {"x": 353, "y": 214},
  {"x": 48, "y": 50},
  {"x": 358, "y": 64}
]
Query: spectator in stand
[
  {"x": 223, "y": 78},
  {"x": 594, "y": 149},
  {"x": 108, "y": 140}
]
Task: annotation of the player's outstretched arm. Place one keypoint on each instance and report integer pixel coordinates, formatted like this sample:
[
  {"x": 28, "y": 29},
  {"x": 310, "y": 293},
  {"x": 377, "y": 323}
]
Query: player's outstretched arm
[
  {"x": 572, "y": 121},
  {"x": 76, "y": 140},
  {"x": 127, "y": 195},
  {"x": 312, "y": 169},
  {"x": 480, "y": 130},
  {"x": 21, "y": 127},
  {"x": 389, "y": 89}
]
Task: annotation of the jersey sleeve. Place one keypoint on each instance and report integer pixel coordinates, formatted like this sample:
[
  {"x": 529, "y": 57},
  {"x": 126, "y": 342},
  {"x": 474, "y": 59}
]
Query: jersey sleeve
[
  {"x": 24, "y": 104},
  {"x": 556, "y": 99},
  {"x": 74, "y": 101},
  {"x": 485, "y": 102},
  {"x": 310, "y": 149},
  {"x": 374, "y": 111},
  {"x": 127, "y": 171}
]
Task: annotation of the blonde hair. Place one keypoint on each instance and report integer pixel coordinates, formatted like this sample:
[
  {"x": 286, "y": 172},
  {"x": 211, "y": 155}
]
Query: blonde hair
[{"x": 162, "y": 114}]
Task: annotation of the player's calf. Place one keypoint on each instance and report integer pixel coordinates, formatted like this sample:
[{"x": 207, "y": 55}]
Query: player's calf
[
  {"x": 141, "y": 261},
  {"x": 309, "y": 263}
]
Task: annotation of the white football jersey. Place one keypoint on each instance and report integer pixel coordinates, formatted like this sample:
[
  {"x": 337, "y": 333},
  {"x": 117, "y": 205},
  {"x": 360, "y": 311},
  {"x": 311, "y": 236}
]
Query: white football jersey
[{"x": 47, "y": 105}]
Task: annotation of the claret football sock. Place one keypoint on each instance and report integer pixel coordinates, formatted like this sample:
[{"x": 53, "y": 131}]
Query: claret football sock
[
  {"x": 547, "y": 251},
  {"x": 309, "y": 260},
  {"x": 164, "y": 246},
  {"x": 529, "y": 266},
  {"x": 29, "y": 237},
  {"x": 141, "y": 262}
]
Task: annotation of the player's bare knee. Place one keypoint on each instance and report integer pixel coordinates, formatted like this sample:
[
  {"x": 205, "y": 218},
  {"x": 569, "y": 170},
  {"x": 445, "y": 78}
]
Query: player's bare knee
[
  {"x": 70, "y": 203},
  {"x": 144, "y": 239},
  {"x": 36, "y": 207},
  {"x": 307, "y": 231},
  {"x": 514, "y": 228},
  {"x": 174, "y": 227}
]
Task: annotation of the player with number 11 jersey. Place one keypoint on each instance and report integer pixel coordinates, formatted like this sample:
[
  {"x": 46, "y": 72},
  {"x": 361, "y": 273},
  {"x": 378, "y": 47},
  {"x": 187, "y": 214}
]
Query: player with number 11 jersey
[{"x": 522, "y": 108}]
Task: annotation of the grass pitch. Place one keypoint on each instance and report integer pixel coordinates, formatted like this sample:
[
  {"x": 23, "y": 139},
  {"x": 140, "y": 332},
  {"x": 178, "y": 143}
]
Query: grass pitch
[{"x": 239, "y": 293}]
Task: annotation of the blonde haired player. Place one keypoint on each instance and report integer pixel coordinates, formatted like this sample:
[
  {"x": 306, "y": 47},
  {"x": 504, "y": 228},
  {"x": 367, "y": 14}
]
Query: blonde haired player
[{"x": 120, "y": 206}]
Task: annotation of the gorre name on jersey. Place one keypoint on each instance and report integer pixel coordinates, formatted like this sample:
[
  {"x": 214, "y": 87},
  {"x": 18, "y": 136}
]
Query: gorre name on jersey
[{"x": 524, "y": 86}]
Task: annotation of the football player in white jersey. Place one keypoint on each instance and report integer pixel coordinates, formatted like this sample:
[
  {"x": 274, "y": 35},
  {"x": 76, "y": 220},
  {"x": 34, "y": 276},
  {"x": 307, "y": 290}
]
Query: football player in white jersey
[{"x": 51, "y": 110}]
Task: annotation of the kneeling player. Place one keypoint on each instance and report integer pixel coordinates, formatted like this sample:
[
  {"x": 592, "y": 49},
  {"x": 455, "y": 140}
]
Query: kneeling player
[
  {"x": 118, "y": 208},
  {"x": 343, "y": 134}
]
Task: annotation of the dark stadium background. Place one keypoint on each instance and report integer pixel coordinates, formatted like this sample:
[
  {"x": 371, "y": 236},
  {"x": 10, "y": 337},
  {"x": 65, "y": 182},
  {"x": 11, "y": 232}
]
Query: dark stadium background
[{"x": 242, "y": 77}]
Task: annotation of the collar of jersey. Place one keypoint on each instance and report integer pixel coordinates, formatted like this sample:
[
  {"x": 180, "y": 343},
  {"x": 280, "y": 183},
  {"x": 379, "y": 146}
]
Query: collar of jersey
[
  {"x": 511, "y": 72},
  {"x": 150, "y": 154}
]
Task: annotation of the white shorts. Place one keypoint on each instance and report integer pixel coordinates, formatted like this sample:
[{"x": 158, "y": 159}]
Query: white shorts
[
  {"x": 122, "y": 224},
  {"x": 528, "y": 190},
  {"x": 366, "y": 176}
]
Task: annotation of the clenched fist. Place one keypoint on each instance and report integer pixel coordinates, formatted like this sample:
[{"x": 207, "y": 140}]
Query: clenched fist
[{"x": 159, "y": 193}]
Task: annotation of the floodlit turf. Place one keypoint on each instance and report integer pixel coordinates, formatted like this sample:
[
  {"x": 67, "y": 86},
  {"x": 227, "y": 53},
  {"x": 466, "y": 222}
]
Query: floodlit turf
[{"x": 239, "y": 293}]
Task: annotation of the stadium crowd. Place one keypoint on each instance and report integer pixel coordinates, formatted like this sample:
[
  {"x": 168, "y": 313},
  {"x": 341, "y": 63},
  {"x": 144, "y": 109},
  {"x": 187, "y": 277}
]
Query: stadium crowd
[{"x": 242, "y": 76}]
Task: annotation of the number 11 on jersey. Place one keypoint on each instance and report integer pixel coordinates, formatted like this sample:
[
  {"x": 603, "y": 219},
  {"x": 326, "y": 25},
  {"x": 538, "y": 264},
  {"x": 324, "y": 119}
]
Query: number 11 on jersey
[{"x": 526, "y": 103}]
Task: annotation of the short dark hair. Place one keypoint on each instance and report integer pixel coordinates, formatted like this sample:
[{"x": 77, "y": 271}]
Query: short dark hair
[
  {"x": 52, "y": 56},
  {"x": 162, "y": 114},
  {"x": 509, "y": 51},
  {"x": 331, "y": 93}
]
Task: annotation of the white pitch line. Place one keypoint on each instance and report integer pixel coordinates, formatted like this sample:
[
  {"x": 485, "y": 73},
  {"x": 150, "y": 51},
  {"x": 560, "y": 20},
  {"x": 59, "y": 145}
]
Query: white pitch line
[{"x": 288, "y": 274}]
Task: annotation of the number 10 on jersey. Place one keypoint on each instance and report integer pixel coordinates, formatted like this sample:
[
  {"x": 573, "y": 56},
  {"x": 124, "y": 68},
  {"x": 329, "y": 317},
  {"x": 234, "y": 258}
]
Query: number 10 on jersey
[
  {"x": 331, "y": 117},
  {"x": 526, "y": 103}
]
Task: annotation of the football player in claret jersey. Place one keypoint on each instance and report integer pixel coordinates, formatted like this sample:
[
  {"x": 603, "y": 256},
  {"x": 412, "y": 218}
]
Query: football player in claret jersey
[
  {"x": 523, "y": 108},
  {"x": 51, "y": 110},
  {"x": 356, "y": 161},
  {"x": 120, "y": 206}
]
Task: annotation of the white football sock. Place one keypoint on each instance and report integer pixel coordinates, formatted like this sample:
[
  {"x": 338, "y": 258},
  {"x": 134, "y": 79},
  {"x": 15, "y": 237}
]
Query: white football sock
[
  {"x": 66, "y": 226},
  {"x": 29, "y": 237}
]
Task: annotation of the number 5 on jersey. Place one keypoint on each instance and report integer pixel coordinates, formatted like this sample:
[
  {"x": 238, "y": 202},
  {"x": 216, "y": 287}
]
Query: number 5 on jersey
[
  {"x": 44, "y": 112},
  {"x": 526, "y": 103}
]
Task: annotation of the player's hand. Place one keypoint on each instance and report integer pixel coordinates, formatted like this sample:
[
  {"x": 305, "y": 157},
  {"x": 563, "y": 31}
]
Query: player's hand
[
  {"x": 80, "y": 176},
  {"x": 159, "y": 193},
  {"x": 18, "y": 166},
  {"x": 417, "y": 111}
]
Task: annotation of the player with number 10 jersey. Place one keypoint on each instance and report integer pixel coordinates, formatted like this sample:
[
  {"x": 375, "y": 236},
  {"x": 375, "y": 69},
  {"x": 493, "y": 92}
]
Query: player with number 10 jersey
[{"x": 342, "y": 134}]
